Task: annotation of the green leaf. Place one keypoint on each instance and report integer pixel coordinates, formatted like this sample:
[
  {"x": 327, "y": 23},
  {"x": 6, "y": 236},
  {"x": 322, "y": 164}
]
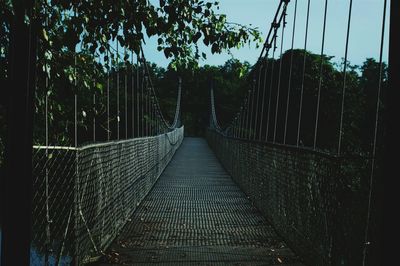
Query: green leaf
[
  {"x": 45, "y": 35},
  {"x": 196, "y": 37},
  {"x": 167, "y": 52},
  {"x": 99, "y": 86},
  {"x": 48, "y": 55},
  {"x": 214, "y": 48}
]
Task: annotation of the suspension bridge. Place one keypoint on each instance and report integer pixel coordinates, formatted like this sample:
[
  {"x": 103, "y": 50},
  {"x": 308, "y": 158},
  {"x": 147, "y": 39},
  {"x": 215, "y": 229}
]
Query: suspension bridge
[{"x": 265, "y": 189}]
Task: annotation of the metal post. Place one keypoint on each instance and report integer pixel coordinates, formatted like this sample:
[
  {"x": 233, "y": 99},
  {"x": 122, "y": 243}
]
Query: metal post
[
  {"x": 117, "y": 69},
  {"x": 247, "y": 113},
  {"x": 76, "y": 187},
  {"x": 48, "y": 232},
  {"x": 94, "y": 101},
  {"x": 252, "y": 95},
  {"x": 94, "y": 117},
  {"x": 142, "y": 102},
  {"x": 152, "y": 118},
  {"x": 126, "y": 96},
  {"x": 137, "y": 96},
  {"x": 146, "y": 106},
  {"x": 75, "y": 119},
  {"x": 108, "y": 97},
  {"x": 270, "y": 90},
  {"x": 279, "y": 76},
  {"x": 133, "y": 98},
  {"x": 263, "y": 96},
  {"x": 241, "y": 115},
  {"x": 48, "y": 238},
  {"x": 16, "y": 183},
  {"x": 258, "y": 96},
  {"x": 75, "y": 102}
]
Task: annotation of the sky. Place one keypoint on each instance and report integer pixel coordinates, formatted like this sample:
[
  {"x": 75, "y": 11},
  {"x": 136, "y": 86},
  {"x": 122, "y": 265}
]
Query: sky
[{"x": 364, "y": 41}]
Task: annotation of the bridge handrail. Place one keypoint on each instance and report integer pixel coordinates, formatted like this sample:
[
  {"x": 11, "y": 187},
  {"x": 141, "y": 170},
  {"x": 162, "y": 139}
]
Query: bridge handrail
[
  {"x": 315, "y": 200},
  {"x": 92, "y": 190},
  {"x": 96, "y": 145},
  {"x": 295, "y": 147}
]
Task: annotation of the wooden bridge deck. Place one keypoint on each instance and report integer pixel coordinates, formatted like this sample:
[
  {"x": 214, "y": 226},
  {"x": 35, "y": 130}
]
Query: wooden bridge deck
[{"x": 196, "y": 215}]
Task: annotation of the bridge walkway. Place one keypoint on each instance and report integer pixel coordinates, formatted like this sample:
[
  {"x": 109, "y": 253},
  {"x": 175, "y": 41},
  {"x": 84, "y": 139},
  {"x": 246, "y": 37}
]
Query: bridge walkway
[{"x": 196, "y": 215}]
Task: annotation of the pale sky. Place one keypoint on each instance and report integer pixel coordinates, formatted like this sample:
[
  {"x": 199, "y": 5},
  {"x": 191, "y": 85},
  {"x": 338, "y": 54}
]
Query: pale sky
[{"x": 366, "y": 25}]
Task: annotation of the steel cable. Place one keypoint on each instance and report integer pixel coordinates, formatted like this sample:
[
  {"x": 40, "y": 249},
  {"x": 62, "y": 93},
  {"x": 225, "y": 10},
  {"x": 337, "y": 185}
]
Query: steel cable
[
  {"x": 371, "y": 177},
  {"x": 263, "y": 95},
  {"x": 280, "y": 74},
  {"x": 344, "y": 78},
  {"x": 320, "y": 76},
  {"x": 290, "y": 73},
  {"x": 270, "y": 89},
  {"x": 303, "y": 74}
]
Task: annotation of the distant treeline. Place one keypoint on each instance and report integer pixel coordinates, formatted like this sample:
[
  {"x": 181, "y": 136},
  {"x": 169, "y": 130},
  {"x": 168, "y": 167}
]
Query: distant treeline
[{"x": 231, "y": 83}]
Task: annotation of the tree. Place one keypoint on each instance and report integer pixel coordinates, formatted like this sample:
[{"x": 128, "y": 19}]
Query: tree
[
  {"x": 369, "y": 82},
  {"x": 95, "y": 27}
]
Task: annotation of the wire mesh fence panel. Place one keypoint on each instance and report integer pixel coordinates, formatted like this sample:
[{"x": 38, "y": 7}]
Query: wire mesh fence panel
[
  {"x": 316, "y": 201},
  {"x": 84, "y": 196},
  {"x": 53, "y": 197}
]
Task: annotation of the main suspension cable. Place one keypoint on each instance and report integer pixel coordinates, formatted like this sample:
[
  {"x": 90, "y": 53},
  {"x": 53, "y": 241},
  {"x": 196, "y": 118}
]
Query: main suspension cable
[
  {"x": 246, "y": 122},
  {"x": 177, "y": 110}
]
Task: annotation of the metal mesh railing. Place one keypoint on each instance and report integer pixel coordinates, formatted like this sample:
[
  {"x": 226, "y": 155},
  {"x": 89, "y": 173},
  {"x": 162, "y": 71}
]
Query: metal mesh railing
[
  {"x": 316, "y": 201},
  {"x": 84, "y": 196},
  {"x": 54, "y": 175}
]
